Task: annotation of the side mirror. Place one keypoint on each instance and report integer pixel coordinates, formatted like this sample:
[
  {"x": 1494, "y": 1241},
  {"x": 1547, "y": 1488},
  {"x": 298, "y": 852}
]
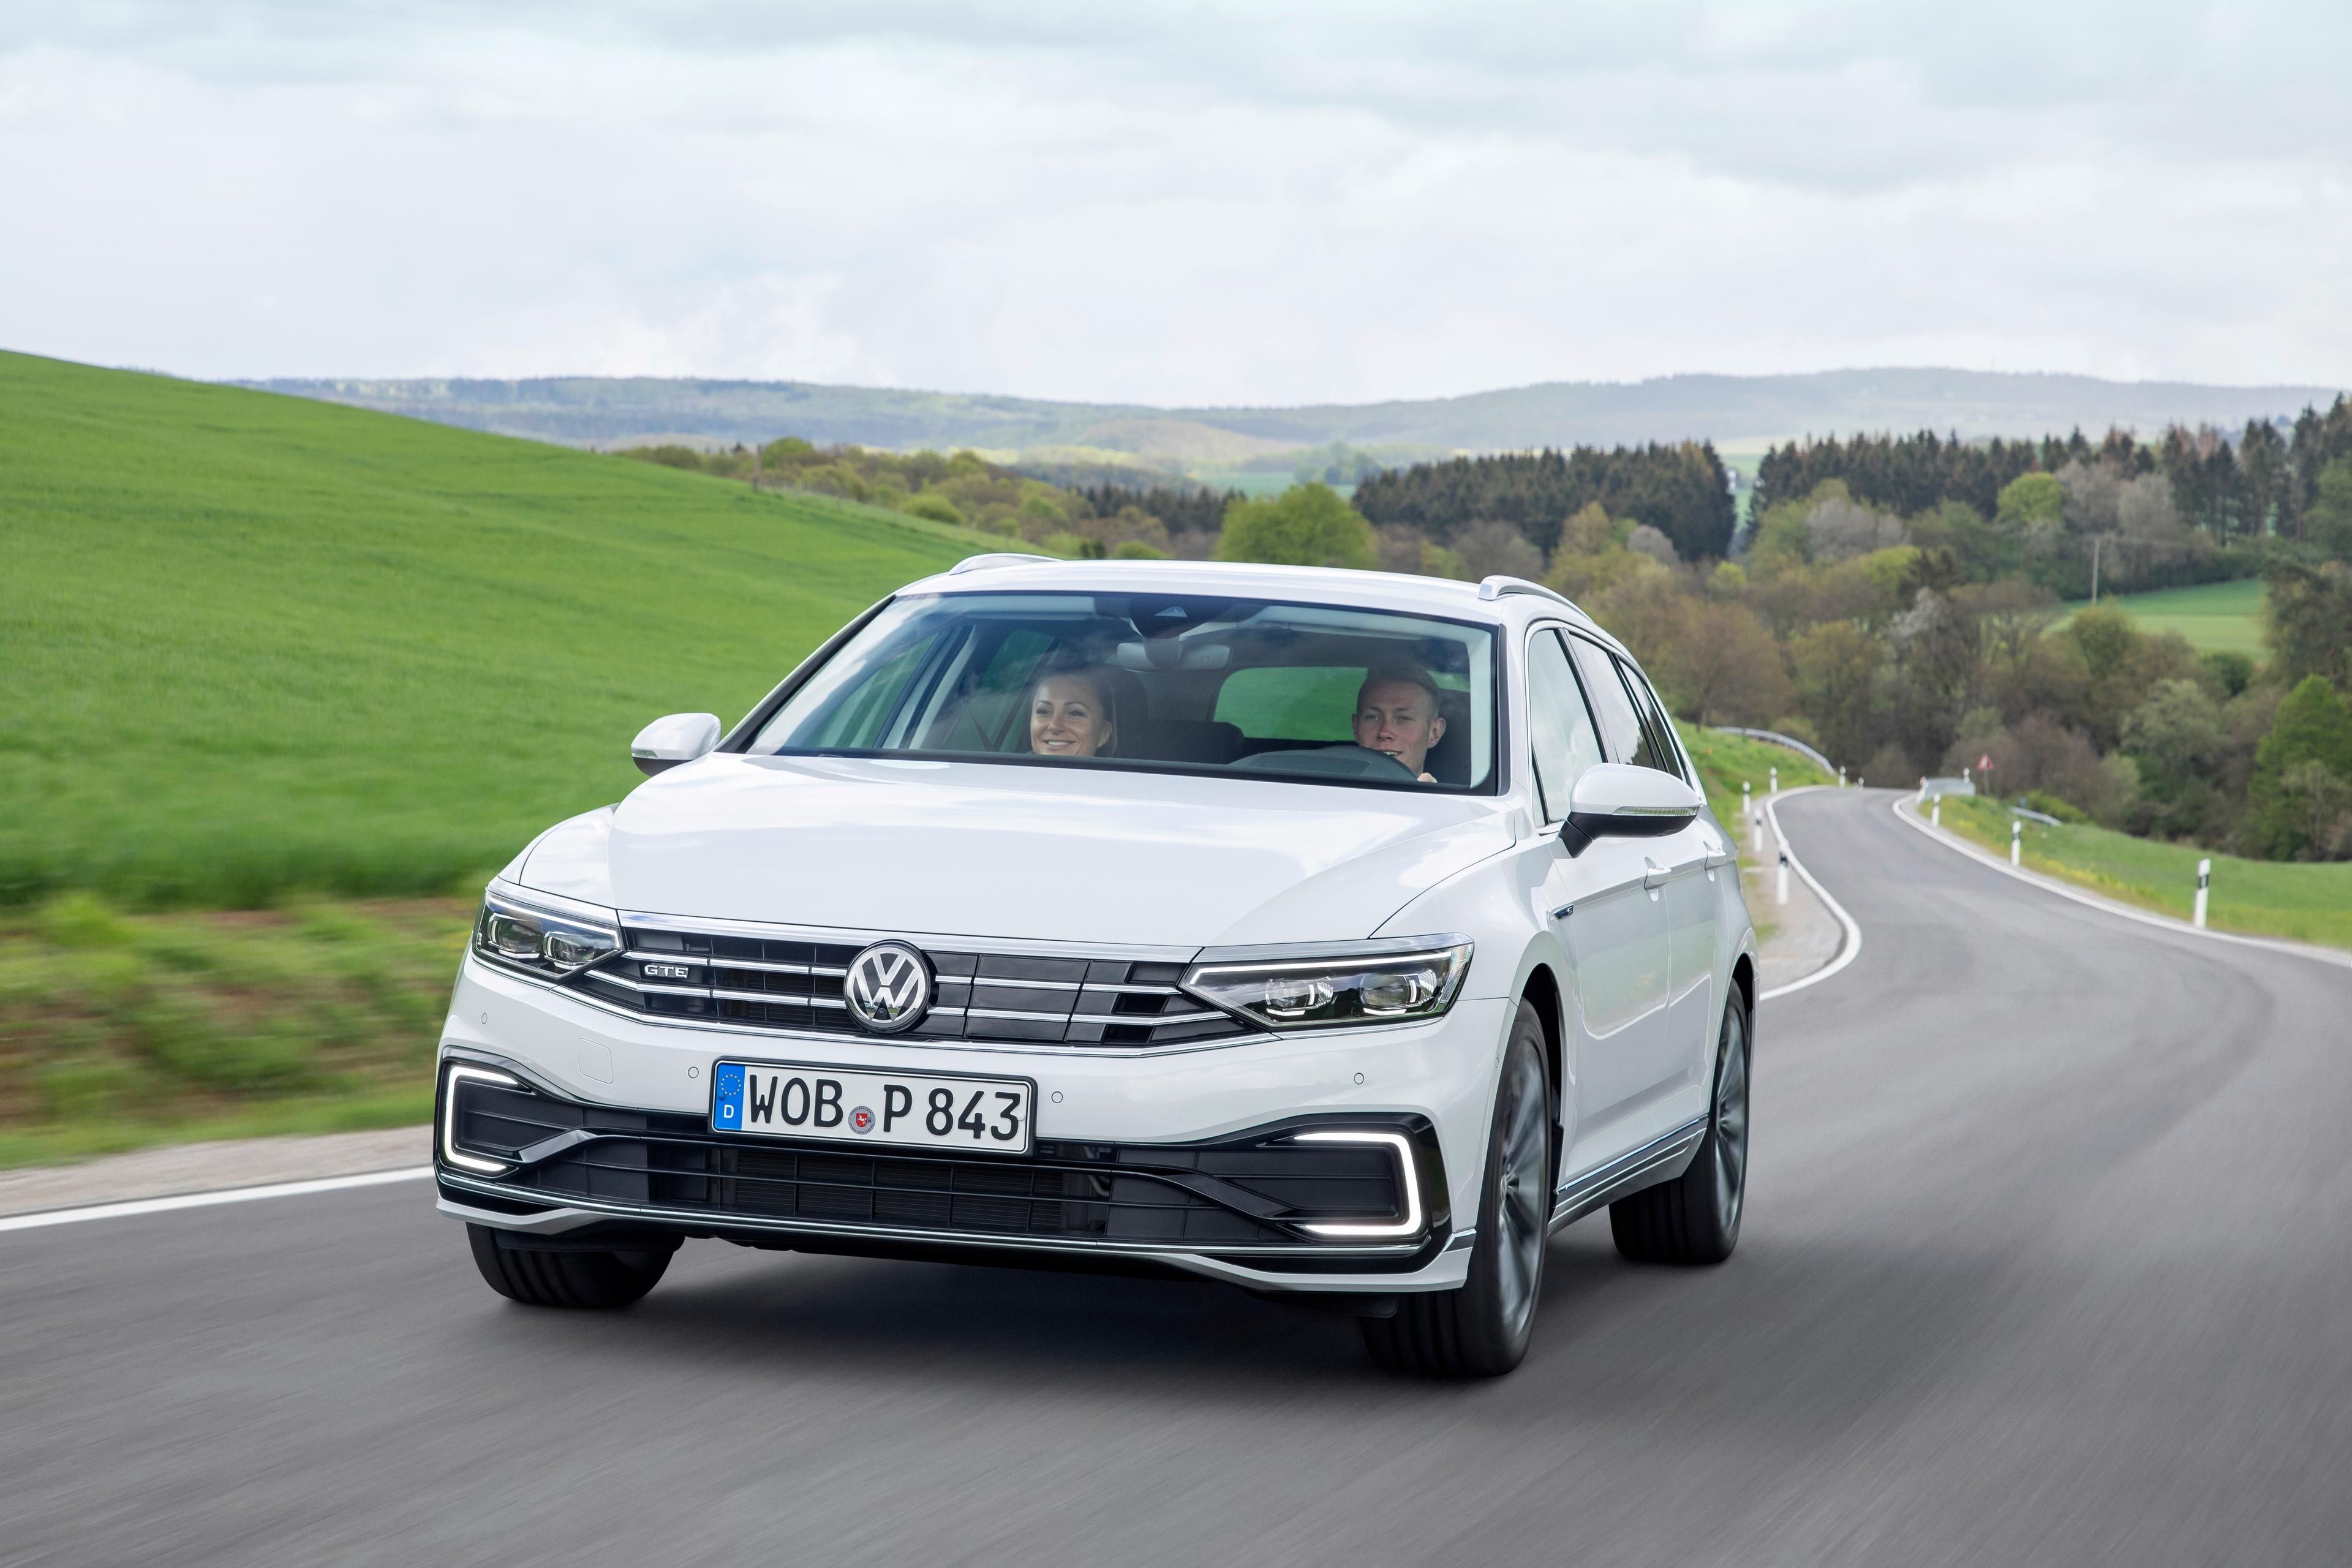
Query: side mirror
[
  {"x": 680, "y": 737},
  {"x": 1613, "y": 798}
]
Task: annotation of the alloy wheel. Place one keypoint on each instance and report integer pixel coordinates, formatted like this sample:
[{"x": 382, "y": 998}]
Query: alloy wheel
[
  {"x": 1526, "y": 1205},
  {"x": 1731, "y": 1128}
]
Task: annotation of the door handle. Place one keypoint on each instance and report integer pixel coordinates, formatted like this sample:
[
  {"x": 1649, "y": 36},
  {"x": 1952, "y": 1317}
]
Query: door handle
[
  {"x": 1717, "y": 859},
  {"x": 1653, "y": 876}
]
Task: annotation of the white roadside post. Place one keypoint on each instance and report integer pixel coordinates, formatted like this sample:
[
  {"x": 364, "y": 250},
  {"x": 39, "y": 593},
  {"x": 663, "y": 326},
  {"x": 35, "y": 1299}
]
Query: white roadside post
[
  {"x": 1935, "y": 813},
  {"x": 1923, "y": 790},
  {"x": 2204, "y": 881},
  {"x": 1841, "y": 778},
  {"x": 1784, "y": 874},
  {"x": 2016, "y": 840},
  {"x": 1776, "y": 780}
]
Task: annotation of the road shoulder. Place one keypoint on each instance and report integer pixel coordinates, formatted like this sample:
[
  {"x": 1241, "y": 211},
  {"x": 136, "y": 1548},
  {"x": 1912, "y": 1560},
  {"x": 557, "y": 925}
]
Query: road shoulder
[{"x": 174, "y": 1170}]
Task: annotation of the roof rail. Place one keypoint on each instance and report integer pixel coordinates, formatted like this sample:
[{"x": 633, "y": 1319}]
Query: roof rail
[
  {"x": 1497, "y": 587},
  {"x": 990, "y": 562}
]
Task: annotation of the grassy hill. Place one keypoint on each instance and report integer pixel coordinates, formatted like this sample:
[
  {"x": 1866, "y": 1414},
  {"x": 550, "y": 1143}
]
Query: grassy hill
[
  {"x": 2213, "y": 617},
  {"x": 258, "y": 642}
]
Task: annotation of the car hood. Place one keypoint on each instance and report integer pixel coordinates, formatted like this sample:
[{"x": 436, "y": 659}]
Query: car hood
[{"x": 1012, "y": 852}]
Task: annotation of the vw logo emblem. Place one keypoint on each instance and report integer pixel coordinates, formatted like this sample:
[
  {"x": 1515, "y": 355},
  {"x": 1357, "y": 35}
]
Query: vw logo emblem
[{"x": 888, "y": 987}]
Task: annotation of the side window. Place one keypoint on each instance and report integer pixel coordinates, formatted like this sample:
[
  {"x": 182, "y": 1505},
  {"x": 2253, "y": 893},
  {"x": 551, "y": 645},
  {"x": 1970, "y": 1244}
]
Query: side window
[
  {"x": 1612, "y": 708},
  {"x": 1657, "y": 735},
  {"x": 1559, "y": 726}
]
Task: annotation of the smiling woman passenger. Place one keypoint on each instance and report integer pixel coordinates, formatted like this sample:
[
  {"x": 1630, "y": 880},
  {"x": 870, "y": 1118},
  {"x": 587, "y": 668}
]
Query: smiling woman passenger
[{"x": 1070, "y": 715}]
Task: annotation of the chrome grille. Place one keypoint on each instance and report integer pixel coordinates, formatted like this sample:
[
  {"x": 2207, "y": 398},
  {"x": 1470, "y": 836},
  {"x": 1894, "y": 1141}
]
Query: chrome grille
[{"x": 1033, "y": 999}]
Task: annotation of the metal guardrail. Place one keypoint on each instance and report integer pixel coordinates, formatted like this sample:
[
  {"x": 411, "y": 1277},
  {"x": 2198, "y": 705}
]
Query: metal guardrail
[
  {"x": 1930, "y": 788},
  {"x": 1777, "y": 739}
]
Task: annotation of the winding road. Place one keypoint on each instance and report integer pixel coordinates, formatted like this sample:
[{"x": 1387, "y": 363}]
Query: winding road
[{"x": 2048, "y": 1260}]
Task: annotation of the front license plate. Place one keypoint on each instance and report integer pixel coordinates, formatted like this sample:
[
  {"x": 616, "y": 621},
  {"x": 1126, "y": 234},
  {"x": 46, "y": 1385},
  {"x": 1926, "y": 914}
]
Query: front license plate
[{"x": 906, "y": 1110}]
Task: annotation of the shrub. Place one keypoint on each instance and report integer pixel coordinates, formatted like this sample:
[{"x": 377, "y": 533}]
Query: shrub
[
  {"x": 1306, "y": 525},
  {"x": 937, "y": 508}
]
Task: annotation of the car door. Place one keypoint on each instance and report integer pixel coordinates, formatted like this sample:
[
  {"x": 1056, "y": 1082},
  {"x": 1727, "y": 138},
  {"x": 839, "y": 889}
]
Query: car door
[
  {"x": 1650, "y": 1096},
  {"x": 1612, "y": 927},
  {"x": 1696, "y": 858}
]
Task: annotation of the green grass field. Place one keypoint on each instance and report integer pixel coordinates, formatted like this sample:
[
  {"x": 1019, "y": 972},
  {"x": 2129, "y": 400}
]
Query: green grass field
[
  {"x": 1725, "y": 762},
  {"x": 258, "y": 643},
  {"x": 2216, "y": 617},
  {"x": 117, "y": 1031},
  {"x": 2262, "y": 898}
]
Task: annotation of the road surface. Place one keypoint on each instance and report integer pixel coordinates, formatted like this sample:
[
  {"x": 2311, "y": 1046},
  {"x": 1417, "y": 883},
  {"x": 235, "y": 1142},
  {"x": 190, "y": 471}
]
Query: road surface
[{"x": 2046, "y": 1261}]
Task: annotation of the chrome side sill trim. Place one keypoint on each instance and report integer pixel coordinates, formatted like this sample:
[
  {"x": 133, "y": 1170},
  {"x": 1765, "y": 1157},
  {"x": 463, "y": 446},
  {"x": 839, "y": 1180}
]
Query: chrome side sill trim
[{"x": 1628, "y": 1172}]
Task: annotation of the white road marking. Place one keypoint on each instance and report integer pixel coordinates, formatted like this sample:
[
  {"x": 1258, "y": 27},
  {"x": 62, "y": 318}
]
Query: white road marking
[
  {"x": 209, "y": 1200},
  {"x": 1950, "y": 840},
  {"x": 1847, "y": 951}
]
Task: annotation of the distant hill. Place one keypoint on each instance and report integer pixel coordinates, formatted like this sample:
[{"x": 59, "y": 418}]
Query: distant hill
[{"x": 1739, "y": 410}]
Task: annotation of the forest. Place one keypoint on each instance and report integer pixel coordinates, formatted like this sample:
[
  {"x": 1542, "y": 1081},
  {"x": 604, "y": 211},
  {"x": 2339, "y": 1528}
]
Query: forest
[{"x": 1900, "y": 602}]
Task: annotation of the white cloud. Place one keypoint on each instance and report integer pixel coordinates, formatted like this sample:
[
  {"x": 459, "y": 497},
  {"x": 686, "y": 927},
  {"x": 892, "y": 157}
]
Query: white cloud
[{"x": 1177, "y": 203}]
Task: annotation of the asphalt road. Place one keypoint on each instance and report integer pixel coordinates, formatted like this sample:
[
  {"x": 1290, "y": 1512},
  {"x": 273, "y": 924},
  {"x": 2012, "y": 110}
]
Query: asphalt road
[{"x": 2046, "y": 1261}]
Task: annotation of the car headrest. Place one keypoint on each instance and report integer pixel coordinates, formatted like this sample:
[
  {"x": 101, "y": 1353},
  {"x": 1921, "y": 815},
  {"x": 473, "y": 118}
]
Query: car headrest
[{"x": 1449, "y": 760}]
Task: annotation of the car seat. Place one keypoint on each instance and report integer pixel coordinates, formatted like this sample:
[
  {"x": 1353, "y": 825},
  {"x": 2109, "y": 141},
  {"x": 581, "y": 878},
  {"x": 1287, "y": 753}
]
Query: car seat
[{"x": 1449, "y": 760}]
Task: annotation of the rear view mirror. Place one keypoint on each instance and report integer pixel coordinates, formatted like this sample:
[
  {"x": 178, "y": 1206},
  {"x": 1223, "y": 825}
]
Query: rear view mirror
[
  {"x": 680, "y": 737},
  {"x": 1613, "y": 798}
]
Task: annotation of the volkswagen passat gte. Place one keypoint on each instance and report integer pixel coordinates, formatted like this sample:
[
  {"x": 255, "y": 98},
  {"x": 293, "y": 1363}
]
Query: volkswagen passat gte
[{"x": 1324, "y": 933}]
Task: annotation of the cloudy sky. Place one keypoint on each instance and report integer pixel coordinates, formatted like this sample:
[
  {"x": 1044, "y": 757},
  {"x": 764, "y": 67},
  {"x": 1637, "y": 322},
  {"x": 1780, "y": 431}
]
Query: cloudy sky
[{"x": 1256, "y": 203}]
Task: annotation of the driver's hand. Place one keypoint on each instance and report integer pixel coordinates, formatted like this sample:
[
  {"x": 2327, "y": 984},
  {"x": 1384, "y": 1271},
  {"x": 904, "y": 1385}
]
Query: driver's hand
[{"x": 1426, "y": 778}]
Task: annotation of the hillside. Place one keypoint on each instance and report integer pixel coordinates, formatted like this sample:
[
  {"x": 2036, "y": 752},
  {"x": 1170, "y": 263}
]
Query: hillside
[
  {"x": 600, "y": 411},
  {"x": 258, "y": 643}
]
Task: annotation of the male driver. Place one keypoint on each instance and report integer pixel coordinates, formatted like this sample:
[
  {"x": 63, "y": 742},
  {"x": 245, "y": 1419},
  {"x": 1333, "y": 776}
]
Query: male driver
[{"x": 1396, "y": 712}]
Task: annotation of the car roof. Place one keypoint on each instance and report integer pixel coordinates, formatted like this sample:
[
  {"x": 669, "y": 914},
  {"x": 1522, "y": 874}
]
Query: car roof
[{"x": 1500, "y": 601}]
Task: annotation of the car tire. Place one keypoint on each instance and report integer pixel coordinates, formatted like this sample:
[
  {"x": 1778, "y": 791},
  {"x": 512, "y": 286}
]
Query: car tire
[
  {"x": 1695, "y": 1219},
  {"x": 1482, "y": 1328},
  {"x": 596, "y": 1281}
]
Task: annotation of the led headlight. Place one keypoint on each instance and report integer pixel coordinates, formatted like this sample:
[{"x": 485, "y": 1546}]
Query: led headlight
[
  {"x": 522, "y": 936},
  {"x": 1401, "y": 983}
]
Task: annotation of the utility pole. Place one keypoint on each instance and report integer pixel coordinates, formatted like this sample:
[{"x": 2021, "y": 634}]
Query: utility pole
[
  {"x": 2096, "y": 539},
  {"x": 755, "y": 475}
]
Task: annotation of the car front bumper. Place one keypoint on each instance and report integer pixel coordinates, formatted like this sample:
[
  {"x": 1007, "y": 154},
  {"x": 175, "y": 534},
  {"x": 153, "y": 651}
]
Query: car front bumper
[{"x": 632, "y": 1097}]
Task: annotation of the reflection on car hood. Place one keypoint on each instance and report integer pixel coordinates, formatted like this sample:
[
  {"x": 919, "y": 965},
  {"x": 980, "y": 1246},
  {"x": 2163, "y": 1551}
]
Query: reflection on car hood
[{"x": 1023, "y": 853}]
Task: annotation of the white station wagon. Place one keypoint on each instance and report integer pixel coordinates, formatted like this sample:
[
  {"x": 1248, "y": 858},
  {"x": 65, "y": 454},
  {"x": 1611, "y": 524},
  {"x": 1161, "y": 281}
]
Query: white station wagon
[{"x": 1332, "y": 934}]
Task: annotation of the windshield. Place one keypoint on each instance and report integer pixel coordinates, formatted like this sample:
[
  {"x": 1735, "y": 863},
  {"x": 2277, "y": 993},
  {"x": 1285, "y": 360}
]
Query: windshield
[{"x": 1158, "y": 682}]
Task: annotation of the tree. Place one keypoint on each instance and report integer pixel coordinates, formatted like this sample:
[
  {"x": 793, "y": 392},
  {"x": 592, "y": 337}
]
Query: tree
[
  {"x": 1306, "y": 525},
  {"x": 1496, "y": 549},
  {"x": 2307, "y": 612},
  {"x": 2327, "y": 521},
  {"x": 1729, "y": 666},
  {"x": 2177, "y": 728},
  {"x": 2314, "y": 725},
  {"x": 2031, "y": 499}
]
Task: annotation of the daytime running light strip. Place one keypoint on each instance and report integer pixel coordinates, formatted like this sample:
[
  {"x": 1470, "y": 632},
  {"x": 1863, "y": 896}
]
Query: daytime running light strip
[
  {"x": 458, "y": 1072},
  {"x": 1411, "y": 1224}
]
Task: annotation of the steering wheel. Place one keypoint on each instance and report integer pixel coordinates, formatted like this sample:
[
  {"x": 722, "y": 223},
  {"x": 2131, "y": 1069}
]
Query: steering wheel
[{"x": 1351, "y": 762}]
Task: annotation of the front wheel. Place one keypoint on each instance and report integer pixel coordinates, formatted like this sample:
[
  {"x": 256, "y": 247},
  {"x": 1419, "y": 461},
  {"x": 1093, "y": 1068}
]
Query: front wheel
[
  {"x": 592, "y": 1280},
  {"x": 1482, "y": 1328},
  {"x": 1695, "y": 1219}
]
